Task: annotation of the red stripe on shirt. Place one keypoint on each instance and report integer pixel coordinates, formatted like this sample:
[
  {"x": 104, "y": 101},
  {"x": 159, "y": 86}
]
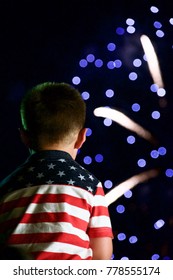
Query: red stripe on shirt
[
  {"x": 100, "y": 232},
  {"x": 43, "y": 218},
  {"x": 100, "y": 211},
  {"x": 47, "y": 237}
]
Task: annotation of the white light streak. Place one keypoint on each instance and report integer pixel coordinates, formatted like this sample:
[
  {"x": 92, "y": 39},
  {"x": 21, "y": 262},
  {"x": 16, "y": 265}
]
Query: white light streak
[
  {"x": 124, "y": 121},
  {"x": 130, "y": 183},
  {"x": 152, "y": 60}
]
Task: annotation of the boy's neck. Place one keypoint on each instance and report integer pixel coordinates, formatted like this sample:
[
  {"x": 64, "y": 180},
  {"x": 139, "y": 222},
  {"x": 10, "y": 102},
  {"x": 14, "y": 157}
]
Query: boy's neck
[{"x": 69, "y": 149}]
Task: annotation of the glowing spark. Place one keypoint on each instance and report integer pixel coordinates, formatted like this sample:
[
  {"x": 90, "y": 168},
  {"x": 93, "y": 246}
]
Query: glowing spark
[
  {"x": 130, "y": 183},
  {"x": 152, "y": 60},
  {"x": 124, "y": 121}
]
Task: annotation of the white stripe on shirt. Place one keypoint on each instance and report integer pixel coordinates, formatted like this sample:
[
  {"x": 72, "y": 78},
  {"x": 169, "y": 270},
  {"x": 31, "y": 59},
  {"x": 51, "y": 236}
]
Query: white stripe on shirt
[{"x": 59, "y": 227}]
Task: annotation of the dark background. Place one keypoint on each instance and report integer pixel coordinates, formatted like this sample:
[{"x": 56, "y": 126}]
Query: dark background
[{"x": 45, "y": 41}]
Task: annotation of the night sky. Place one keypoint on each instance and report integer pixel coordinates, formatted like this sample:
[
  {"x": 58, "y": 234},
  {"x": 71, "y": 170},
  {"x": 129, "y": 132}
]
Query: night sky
[{"x": 90, "y": 44}]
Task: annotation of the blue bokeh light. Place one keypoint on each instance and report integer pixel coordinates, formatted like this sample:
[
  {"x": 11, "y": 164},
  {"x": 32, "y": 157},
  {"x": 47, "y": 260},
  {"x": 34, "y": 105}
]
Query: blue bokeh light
[
  {"x": 120, "y": 209},
  {"x": 124, "y": 258},
  {"x": 131, "y": 29},
  {"x": 161, "y": 92},
  {"x": 111, "y": 47},
  {"x": 90, "y": 57},
  {"x": 128, "y": 194},
  {"x": 121, "y": 236},
  {"x": 136, "y": 107},
  {"x": 137, "y": 62},
  {"x": 107, "y": 122},
  {"x": 171, "y": 21},
  {"x": 118, "y": 63},
  {"x": 76, "y": 80},
  {"x": 130, "y": 21},
  {"x": 98, "y": 63},
  {"x": 159, "y": 224},
  {"x": 154, "y": 9},
  {"x": 157, "y": 24},
  {"x": 162, "y": 151},
  {"x": 155, "y": 257},
  {"x": 169, "y": 172},
  {"x": 109, "y": 93},
  {"x": 89, "y": 132},
  {"x": 85, "y": 95},
  {"x": 155, "y": 115},
  {"x": 87, "y": 160},
  {"x": 133, "y": 76},
  {"x": 83, "y": 63},
  {"x": 120, "y": 31},
  {"x": 111, "y": 65},
  {"x": 133, "y": 239},
  {"x": 131, "y": 139},
  {"x": 99, "y": 158},
  {"x": 154, "y": 87},
  {"x": 160, "y": 33},
  {"x": 154, "y": 154},
  {"x": 144, "y": 57},
  {"x": 108, "y": 184},
  {"x": 141, "y": 162}
]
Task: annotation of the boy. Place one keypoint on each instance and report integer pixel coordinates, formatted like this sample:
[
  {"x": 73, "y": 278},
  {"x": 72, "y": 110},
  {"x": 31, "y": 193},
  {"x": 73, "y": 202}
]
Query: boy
[{"x": 51, "y": 207}]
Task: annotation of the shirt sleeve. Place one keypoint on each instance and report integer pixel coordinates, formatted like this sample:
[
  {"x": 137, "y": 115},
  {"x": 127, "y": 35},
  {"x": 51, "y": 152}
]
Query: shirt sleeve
[{"x": 100, "y": 224}]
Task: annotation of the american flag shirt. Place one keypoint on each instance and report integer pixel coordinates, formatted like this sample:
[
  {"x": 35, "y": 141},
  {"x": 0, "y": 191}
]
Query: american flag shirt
[{"x": 51, "y": 206}]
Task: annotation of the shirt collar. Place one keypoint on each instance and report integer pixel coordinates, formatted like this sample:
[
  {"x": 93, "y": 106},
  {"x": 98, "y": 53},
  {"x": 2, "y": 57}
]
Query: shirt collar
[{"x": 47, "y": 154}]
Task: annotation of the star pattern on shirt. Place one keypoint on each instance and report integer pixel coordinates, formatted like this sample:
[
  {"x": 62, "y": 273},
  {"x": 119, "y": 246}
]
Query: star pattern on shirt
[
  {"x": 91, "y": 177},
  {"x": 81, "y": 177},
  {"x": 51, "y": 166},
  {"x": 49, "y": 182},
  {"x": 40, "y": 175},
  {"x": 58, "y": 171},
  {"x": 89, "y": 189},
  {"x": 62, "y": 160},
  {"x": 61, "y": 173},
  {"x": 73, "y": 167},
  {"x": 71, "y": 182}
]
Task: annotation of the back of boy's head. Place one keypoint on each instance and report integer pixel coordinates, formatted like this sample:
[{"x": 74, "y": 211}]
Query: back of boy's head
[{"x": 52, "y": 113}]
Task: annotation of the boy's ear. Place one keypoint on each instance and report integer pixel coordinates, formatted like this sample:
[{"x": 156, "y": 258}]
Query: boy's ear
[
  {"x": 24, "y": 137},
  {"x": 81, "y": 138}
]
